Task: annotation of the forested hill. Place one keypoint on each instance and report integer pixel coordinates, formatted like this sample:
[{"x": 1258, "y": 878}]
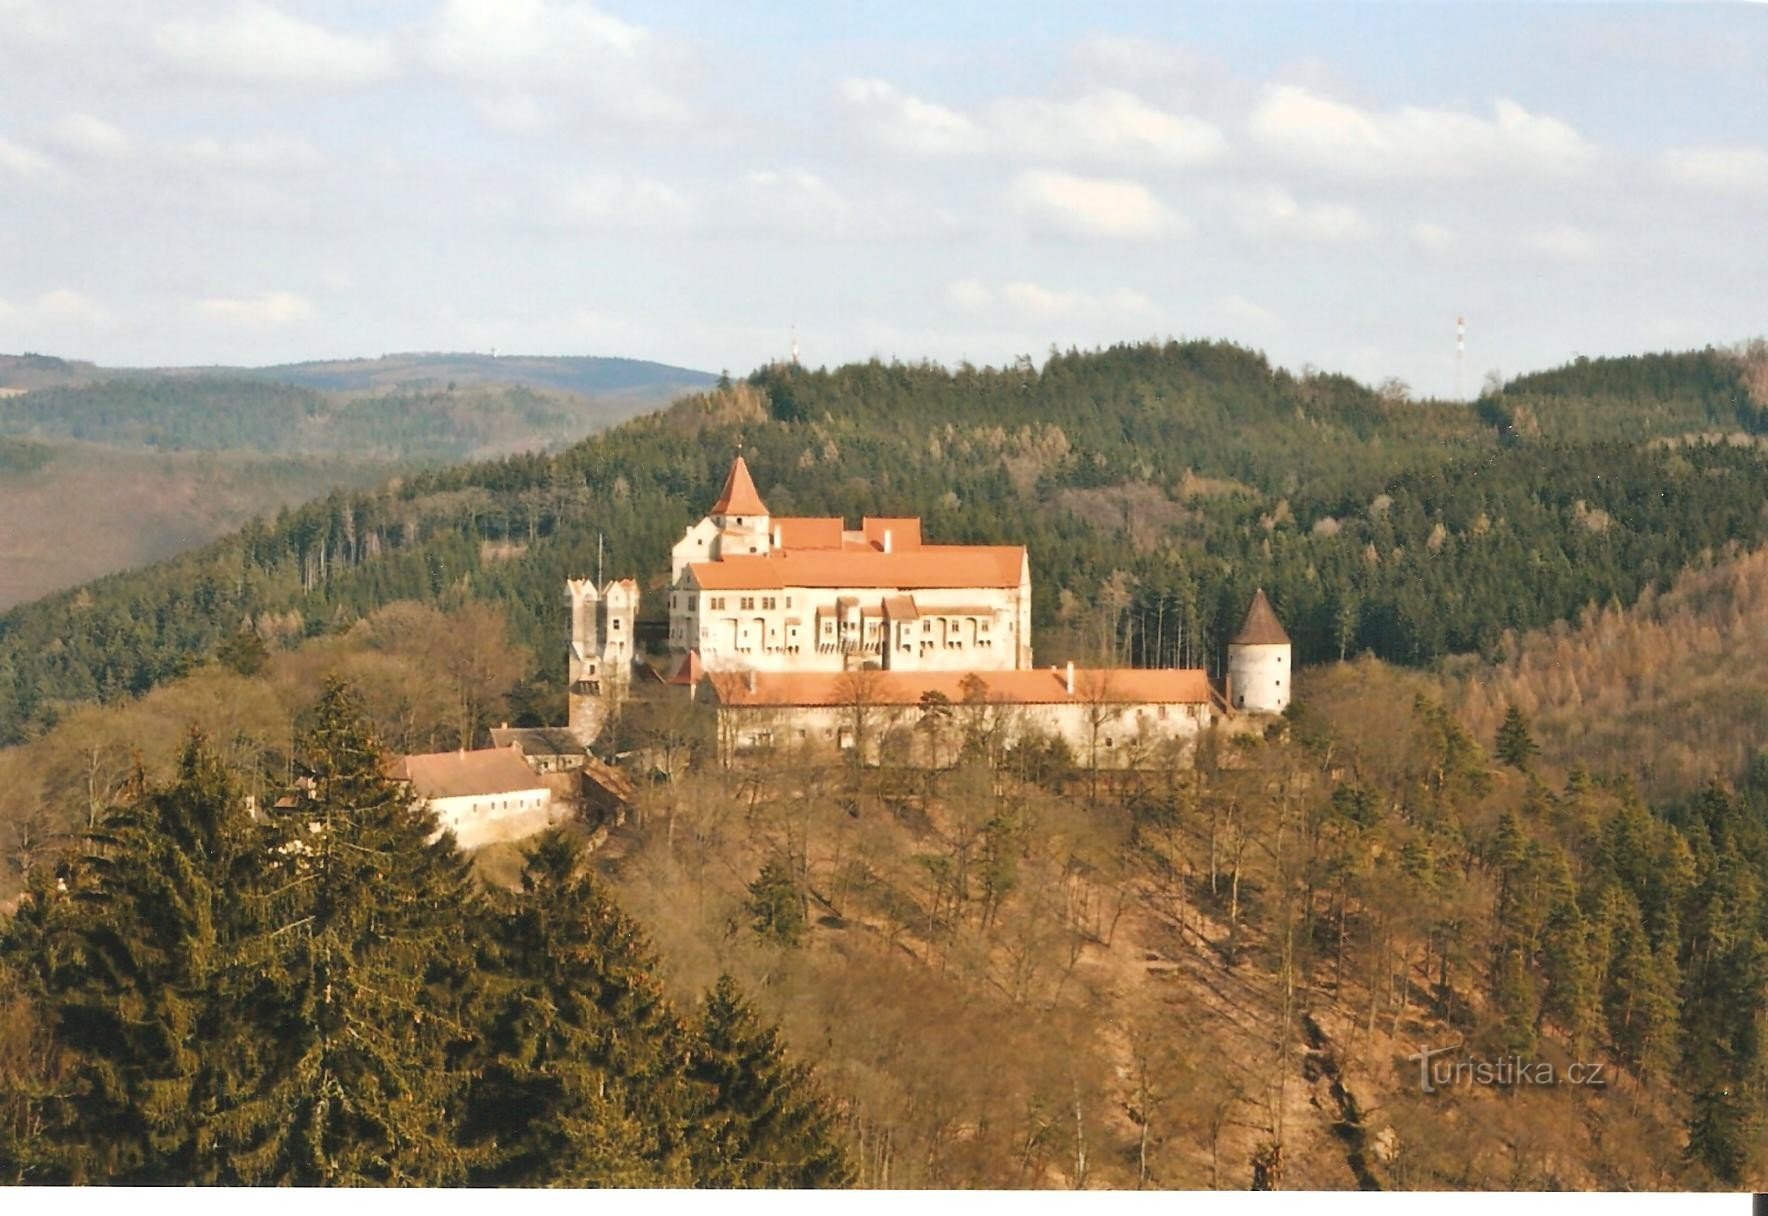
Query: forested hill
[
  {"x": 588, "y": 374},
  {"x": 411, "y": 424},
  {"x": 1638, "y": 395},
  {"x": 1156, "y": 485}
]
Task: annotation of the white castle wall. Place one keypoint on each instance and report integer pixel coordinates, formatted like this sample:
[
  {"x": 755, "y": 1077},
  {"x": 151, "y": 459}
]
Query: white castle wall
[{"x": 1259, "y": 677}]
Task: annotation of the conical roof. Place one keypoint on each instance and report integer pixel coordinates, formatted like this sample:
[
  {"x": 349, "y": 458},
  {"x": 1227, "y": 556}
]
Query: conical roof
[
  {"x": 739, "y": 496},
  {"x": 1261, "y": 626}
]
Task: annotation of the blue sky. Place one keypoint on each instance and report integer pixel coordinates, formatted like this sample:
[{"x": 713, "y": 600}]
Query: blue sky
[{"x": 252, "y": 181}]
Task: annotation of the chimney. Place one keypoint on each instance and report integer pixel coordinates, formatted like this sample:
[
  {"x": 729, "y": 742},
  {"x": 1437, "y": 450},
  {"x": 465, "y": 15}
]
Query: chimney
[
  {"x": 1070, "y": 680},
  {"x": 887, "y": 540}
]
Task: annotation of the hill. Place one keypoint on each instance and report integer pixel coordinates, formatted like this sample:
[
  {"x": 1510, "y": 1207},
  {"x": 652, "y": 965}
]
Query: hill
[
  {"x": 1156, "y": 486},
  {"x": 108, "y": 443}
]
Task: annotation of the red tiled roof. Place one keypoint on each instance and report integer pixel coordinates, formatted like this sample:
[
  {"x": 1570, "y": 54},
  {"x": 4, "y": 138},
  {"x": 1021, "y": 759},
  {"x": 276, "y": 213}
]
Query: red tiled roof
[
  {"x": 809, "y": 531},
  {"x": 1115, "y": 686},
  {"x": 688, "y": 669},
  {"x": 739, "y": 496},
  {"x": 489, "y": 770},
  {"x": 1261, "y": 626},
  {"x": 905, "y": 531},
  {"x": 930, "y": 566}
]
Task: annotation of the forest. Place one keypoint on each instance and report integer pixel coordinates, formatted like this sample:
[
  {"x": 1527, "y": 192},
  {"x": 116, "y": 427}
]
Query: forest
[
  {"x": 1518, "y": 809},
  {"x": 1155, "y": 484}
]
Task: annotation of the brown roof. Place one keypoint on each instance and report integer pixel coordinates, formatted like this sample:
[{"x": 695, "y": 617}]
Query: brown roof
[
  {"x": 1261, "y": 626},
  {"x": 900, "y": 607},
  {"x": 538, "y": 740},
  {"x": 809, "y": 531},
  {"x": 688, "y": 669},
  {"x": 932, "y": 566},
  {"x": 488, "y": 770},
  {"x": 739, "y": 496},
  {"x": 1122, "y": 685}
]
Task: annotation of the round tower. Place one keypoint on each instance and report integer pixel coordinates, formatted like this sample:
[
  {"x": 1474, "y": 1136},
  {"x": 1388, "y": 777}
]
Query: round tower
[{"x": 1259, "y": 661}]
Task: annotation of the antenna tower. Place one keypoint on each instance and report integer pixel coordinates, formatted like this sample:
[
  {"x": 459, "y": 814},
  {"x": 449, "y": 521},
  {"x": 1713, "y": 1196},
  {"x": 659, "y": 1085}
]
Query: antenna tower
[{"x": 1460, "y": 352}]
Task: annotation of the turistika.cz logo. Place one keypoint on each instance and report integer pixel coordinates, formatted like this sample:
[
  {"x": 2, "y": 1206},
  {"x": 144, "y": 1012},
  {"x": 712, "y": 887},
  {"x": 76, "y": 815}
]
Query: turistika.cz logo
[{"x": 1437, "y": 1070}]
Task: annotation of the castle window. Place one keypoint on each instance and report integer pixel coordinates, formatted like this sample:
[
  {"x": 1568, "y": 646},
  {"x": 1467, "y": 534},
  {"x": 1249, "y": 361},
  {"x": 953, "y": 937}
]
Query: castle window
[
  {"x": 748, "y": 604},
  {"x": 615, "y": 625},
  {"x": 768, "y": 602},
  {"x": 718, "y": 601}
]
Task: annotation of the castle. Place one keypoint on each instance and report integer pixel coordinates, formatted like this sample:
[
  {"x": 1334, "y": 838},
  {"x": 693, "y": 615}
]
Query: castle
[{"x": 803, "y": 633}]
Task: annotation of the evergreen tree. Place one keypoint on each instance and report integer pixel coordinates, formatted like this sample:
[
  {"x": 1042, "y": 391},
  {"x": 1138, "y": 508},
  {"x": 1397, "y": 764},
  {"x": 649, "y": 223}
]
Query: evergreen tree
[
  {"x": 776, "y": 904},
  {"x": 1516, "y": 744},
  {"x": 582, "y": 1073},
  {"x": 766, "y": 1125},
  {"x": 139, "y": 970},
  {"x": 364, "y": 978}
]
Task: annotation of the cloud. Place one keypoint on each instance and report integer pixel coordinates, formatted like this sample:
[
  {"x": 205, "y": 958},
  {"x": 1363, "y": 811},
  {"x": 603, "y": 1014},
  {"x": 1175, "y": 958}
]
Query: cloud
[
  {"x": 1563, "y": 243},
  {"x": 266, "y": 310},
  {"x": 1433, "y": 238},
  {"x": 1035, "y": 302},
  {"x": 1275, "y": 212},
  {"x": 560, "y": 46},
  {"x": 256, "y": 42},
  {"x": 1239, "y": 308},
  {"x": 1108, "y": 124},
  {"x": 803, "y": 204},
  {"x": 968, "y": 295},
  {"x": 1103, "y": 125},
  {"x": 91, "y": 136},
  {"x": 1413, "y": 142},
  {"x": 1720, "y": 170},
  {"x": 1114, "y": 208},
  {"x": 265, "y": 152},
  {"x": 910, "y": 124},
  {"x": 623, "y": 202},
  {"x": 26, "y": 162},
  {"x": 63, "y": 306}
]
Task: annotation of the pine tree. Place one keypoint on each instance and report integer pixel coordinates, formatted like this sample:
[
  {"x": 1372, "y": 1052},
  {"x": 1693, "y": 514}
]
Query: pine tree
[
  {"x": 766, "y": 1125},
  {"x": 139, "y": 970},
  {"x": 365, "y": 977},
  {"x": 1516, "y": 743},
  {"x": 776, "y": 905},
  {"x": 581, "y": 1078}
]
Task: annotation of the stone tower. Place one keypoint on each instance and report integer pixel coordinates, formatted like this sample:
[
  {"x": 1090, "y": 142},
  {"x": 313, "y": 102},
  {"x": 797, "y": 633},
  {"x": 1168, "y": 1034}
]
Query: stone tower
[
  {"x": 739, "y": 514},
  {"x": 600, "y": 653},
  {"x": 1259, "y": 661}
]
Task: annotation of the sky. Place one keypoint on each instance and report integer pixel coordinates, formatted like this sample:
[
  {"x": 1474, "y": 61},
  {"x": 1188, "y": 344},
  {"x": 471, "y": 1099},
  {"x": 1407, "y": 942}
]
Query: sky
[{"x": 261, "y": 181}]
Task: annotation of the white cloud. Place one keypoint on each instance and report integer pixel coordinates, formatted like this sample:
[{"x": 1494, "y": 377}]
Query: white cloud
[
  {"x": 801, "y": 203},
  {"x": 266, "y": 152},
  {"x": 1433, "y": 238},
  {"x": 969, "y": 295},
  {"x": 1275, "y": 212},
  {"x": 1038, "y": 303},
  {"x": 1239, "y": 308},
  {"x": 910, "y": 124},
  {"x": 1092, "y": 206},
  {"x": 257, "y": 42},
  {"x": 1414, "y": 142},
  {"x": 1563, "y": 243},
  {"x": 91, "y": 135},
  {"x": 1108, "y": 124},
  {"x": 266, "y": 310},
  {"x": 517, "y": 113},
  {"x": 63, "y": 306},
  {"x": 1721, "y": 170},
  {"x": 567, "y": 46},
  {"x": 616, "y": 201},
  {"x": 27, "y": 162}
]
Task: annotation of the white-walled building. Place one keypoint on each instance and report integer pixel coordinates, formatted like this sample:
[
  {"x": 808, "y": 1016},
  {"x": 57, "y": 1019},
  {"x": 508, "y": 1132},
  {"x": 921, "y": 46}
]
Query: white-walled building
[
  {"x": 754, "y": 592},
  {"x": 482, "y": 795},
  {"x": 601, "y": 651},
  {"x": 1259, "y": 661}
]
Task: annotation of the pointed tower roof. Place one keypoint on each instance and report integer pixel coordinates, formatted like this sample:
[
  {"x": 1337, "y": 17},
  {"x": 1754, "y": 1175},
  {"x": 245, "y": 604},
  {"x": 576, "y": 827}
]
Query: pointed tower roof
[
  {"x": 1261, "y": 626},
  {"x": 739, "y": 496}
]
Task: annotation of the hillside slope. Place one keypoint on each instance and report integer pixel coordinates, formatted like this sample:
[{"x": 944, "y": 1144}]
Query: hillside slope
[{"x": 1156, "y": 486}]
